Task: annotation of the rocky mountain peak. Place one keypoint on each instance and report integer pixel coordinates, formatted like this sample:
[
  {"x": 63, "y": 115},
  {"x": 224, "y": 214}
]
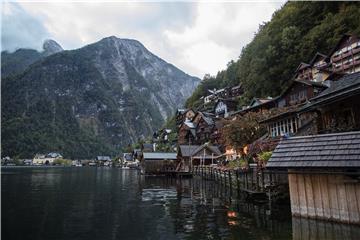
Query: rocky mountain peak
[{"x": 50, "y": 47}]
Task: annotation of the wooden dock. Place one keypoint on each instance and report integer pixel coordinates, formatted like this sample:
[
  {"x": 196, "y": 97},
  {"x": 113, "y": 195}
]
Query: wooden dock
[{"x": 255, "y": 184}]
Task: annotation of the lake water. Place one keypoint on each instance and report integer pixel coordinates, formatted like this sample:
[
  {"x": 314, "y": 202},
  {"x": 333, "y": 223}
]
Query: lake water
[{"x": 109, "y": 203}]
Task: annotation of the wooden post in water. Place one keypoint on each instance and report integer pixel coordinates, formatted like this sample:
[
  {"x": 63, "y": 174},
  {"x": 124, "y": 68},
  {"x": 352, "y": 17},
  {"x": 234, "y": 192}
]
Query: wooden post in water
[
  {"x": 257, "y": 179},
  {"x": 246, "y": 180},
  {"x": 237, "y": 181},
  {"x": 230, "y": 182}
]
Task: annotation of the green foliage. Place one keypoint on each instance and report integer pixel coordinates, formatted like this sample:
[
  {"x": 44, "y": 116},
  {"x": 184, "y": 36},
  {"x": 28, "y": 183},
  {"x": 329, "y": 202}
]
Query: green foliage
[
  {"x": 265, "y": 156},
  {"x": 238, "y": 163},
  {"x": 63, "y": 162},
  {"x": 294, "y": 34}
]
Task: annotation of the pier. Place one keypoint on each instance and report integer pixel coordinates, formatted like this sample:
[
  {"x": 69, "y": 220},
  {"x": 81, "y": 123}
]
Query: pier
[{"x": 254, "y": 183}]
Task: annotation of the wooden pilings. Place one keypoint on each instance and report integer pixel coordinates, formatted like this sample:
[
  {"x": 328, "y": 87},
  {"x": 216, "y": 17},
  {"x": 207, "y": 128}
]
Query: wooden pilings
[{"x": 251, "y": 181}]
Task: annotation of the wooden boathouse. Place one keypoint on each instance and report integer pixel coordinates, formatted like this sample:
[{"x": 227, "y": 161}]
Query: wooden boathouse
[
  {"x": 324, "y": 175},
  {"x": 158, "y": 162}
]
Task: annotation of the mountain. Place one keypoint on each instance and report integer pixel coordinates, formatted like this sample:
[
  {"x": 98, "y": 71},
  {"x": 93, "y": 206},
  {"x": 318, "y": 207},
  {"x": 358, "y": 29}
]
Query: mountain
[
  {"x": 16, "y": 62},
  {"x": 90, "y": 101},
  {"x": 51, "y": 47},
  {"x": 295, "y": 33}
]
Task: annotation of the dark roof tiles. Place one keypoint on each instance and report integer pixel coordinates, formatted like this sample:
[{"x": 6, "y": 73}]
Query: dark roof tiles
[{"x": 328, "y": 150}]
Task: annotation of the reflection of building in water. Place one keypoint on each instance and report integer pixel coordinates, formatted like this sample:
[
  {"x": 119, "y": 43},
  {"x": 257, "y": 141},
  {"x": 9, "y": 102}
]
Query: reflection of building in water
[{"x": 204, "y": 209}]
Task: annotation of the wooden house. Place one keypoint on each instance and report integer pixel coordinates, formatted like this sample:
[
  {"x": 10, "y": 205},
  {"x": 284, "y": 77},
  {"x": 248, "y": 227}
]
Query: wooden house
[
  {"x": 184, "y": 155},
  {"x": 323, "y": 172},
  {"x": 159, "y": 162},
  {"x": 345, "y": 56},
  {"x": 229, "y": 93},
  {"x": 338, "y": 107},
  {"x": 223, "y": 107},
  {"x": 295, "y": 96},
  {"x": 205, "y": 125},
  {"x": 147, "y": 147},
  {"x": 183, "y": 114},
  {"x": 187, "y": 132},
  {"x": 137, "y": 154},
  {"x": 103, "y": 161},
  {"x": 204, "y": 154},
  {"x": 318, "y": 70}
]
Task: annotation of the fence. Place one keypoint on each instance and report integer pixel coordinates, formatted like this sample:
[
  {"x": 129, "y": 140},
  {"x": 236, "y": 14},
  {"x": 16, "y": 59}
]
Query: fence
[{"x": 255, "y": 182}]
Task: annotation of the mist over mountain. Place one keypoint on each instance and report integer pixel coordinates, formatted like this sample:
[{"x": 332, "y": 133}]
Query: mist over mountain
[{"x": 16, "y": 62}]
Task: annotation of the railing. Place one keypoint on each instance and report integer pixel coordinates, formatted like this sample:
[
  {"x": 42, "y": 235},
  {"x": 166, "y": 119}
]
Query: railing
[{"x": 253, "y": 181}]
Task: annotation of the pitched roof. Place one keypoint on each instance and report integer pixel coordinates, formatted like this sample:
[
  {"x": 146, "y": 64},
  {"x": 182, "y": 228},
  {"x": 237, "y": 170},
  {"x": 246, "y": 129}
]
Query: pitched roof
[
  {"x": 318, "y": 151},
  {"x": 317, "y": 55},
  {"x": 147, "y": 146},
  {"x": 191, "y": 150},
  {"x": 342, "y": 88},
  {"x": 189, "y": 123},
  {"x": 311, "y": 83},
  {"x": 128, "y": 157},
  {"x": 213, "y": 149},
  {"x": 159, "y": 156},
  {"x": 187, "y": 150},
  {"x": 103, "y": 158},
  {"x": 54, "y": 155},
  {"x": 301, "y": 66}
]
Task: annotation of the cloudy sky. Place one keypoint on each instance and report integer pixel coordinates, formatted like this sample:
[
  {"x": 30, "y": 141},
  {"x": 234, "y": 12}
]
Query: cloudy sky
[{"x": 197, "y": 37}]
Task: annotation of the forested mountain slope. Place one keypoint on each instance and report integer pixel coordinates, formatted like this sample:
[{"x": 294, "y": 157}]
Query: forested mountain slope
[
  {"x": 90, "y": 101},
  {"x": 295, "y": 33}
]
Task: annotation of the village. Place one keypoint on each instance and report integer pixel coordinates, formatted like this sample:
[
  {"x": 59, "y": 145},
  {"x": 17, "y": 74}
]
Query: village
[{"x": 306, "y": 139}]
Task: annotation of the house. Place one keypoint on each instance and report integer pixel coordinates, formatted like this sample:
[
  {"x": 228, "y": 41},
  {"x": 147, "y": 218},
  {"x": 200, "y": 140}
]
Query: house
[
  {"x": 256, "y": 105},
  {"x": 128, "y": 157},
  {"x": 103, "y": 160},
  {"x": 190, "y": 155},
  {"x": 147, "y": 147},
  {"x": 223, "y": 107},
  {"x": 137, "y": 154},
  {"x": 183, "y": 114},
  {"x": 158, "y": 162},
  {"x": 46, "y": 159},
  {"x": 323, "y": 172},
  {"x": 228, "y": 93},
  {"x": 187, "y": 132},
  {"x": 28, "y": 161},
  {"x": 338, "y": 107},
  {"x": 295, "y": 96},
  {"x": 162, "y": 135},
  {"x": 345, "y": 56},
  {"x": 205, "y": 124}
]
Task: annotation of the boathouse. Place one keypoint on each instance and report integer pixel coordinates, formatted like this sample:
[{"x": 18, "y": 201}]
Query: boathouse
[
  {"x": 191, "y": 155},
  {"x": 324, "y": 175},
  {"x": 159, "y": 162}
]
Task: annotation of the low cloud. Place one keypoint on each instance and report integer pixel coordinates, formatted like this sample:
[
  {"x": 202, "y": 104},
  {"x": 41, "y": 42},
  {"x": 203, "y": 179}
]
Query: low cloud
[
  {"x": 20, "y": 29},
  {"x": 198, "y": 38}
]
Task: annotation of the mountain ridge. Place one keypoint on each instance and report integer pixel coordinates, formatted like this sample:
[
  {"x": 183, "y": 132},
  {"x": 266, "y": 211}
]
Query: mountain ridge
[{"x": 108, "y": 93}]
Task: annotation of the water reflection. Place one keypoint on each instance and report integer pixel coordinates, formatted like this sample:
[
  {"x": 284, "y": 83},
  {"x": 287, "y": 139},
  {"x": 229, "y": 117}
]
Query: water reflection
[
  {"x": 204, "y": 210},
  {"x": 105, "y": 203},
  {"x": 314, "y": 229}
]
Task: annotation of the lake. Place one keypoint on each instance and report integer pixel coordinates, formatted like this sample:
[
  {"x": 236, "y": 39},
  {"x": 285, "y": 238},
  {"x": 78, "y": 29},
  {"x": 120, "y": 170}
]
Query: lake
[{"x": 110, "y": 203}]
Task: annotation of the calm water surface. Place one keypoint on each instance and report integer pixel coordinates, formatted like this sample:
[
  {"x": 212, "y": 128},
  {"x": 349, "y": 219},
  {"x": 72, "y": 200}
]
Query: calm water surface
[{"x": 109, "y": 203}]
